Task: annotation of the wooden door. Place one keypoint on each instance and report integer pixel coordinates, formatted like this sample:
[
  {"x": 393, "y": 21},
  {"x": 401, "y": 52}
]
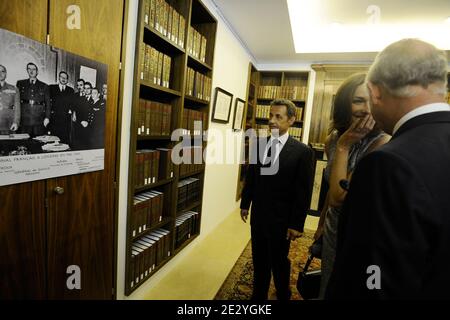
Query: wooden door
[
  {"x": 81, "y": 221},
  {"x": 22, "y": 213}
]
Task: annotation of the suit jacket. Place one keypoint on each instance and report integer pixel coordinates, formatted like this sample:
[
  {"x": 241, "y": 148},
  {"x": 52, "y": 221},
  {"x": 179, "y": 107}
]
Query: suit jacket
[
  {"x": 61, "y": 102},
  {"x": 282, "y": 200},
  {"x": 96, "y": 119},
  {"x": 34, "y": 113},
  {"x": 396, "y": 216}
]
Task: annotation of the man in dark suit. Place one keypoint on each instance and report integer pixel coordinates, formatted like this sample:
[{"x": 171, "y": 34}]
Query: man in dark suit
[
  {"x": 394, "y": 235},
  {"x": 278, "y": 186},
  {"x": 96, "y": 121},
  {"x": 35, "y": 103},
  {"x": 62, "y": 98}
]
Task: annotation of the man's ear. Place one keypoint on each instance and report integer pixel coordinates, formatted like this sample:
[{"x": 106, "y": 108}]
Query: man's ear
[
  {"x": 375, "y": 91},
  {"x": 291, "y": 120}
]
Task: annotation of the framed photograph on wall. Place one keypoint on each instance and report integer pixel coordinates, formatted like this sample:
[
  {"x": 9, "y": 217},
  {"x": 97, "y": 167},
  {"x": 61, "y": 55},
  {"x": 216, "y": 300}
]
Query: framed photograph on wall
[
  {"x": 238, "y": 114},
  {"x": 222, "y": 106}
]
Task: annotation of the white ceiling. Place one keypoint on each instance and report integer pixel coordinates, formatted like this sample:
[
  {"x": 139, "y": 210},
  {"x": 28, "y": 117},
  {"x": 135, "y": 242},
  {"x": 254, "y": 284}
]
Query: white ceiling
[{"x": 264, "y": 27}]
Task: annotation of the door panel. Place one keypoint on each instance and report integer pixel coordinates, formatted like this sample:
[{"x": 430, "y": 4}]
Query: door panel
[
  {"x": 81, "y": 221},
  {"x": 22, "y": 213},
  {"x": 25, "y": 17}
]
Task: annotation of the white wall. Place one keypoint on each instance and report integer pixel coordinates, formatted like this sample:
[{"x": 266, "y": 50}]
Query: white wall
[{"x": 230, "y": 73}]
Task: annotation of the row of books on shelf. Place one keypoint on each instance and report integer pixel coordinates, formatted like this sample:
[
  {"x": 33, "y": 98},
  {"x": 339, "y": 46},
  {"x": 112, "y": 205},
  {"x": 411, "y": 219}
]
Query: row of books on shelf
[
  {"x": 155, "y": 66},
  {"x": 153, "y": 118},
  {"x": 263, "y": 112},
  {"x": 194, "y": 122},
  {"x": 147, "y": 211},
  {"x": 165, "y": 19},
  {"x": 196, "y": 44},
  {"x": 152, "y": 166},
  {"x": 264, "y": 131},
  {"x": 186, "y": 225},
  {"x": 147, "y": 253},
  {"x": 195, "y": 160},
  {"x": 188, "y": 192},
  {"x": 198, "y": 85},
  {"x": 276, "y": 92}
]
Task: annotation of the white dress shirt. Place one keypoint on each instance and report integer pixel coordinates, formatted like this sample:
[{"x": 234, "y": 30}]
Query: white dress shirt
[
  {"x": 428, "y": 108},
  {"x": 278, "y": 147}
]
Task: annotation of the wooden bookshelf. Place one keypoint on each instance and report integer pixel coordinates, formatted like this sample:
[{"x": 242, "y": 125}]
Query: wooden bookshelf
[
  {"x": 249, "y": 123},
  {"x": 292, "y": 85},
  {"x": 162, "y": 104},
  {"x": 264, "y": 87}
]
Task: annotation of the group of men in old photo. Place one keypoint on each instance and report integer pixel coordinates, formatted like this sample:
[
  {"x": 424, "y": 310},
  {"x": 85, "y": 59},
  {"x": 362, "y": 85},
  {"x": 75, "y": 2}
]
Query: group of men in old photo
[{"x": 75, "y": 116}]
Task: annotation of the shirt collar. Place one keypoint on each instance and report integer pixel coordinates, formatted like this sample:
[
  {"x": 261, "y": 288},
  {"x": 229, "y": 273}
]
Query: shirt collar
[
  {"x": 282, "y": 139},
  {"x": 428, "y": 108}
]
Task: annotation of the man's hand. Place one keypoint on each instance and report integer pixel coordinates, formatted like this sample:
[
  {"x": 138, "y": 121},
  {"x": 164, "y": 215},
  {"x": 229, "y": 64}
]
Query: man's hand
[
  {"x": 244, "y": 215},
  {"x": 293, "y": 234},
  {"x": 46, "y": 122},
  {"x": 14, "y": 127}
]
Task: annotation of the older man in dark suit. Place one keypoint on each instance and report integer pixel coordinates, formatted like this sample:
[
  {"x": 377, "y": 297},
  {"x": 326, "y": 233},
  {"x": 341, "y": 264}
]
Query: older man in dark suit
[
  {"x": 278, "y": 186},
  {"x": 62, "y": 102},
  {"x": 35, "y": 103},
  {"x": 394, "y": 235}
]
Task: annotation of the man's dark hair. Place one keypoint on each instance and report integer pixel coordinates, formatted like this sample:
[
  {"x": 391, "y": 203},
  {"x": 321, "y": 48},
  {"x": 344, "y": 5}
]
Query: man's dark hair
[
  {"x": 290, "y": 106},
  {"x": 63, "y": 72},
  {"x": 32, "y": 64}
]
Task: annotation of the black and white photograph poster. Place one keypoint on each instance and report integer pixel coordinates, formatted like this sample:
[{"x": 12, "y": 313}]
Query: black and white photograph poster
[{"x": 52, "y": 111}]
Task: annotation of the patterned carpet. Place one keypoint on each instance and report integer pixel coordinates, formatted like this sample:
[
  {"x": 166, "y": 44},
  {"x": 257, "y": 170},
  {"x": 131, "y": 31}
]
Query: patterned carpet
[{"x": 238, "y": 284}]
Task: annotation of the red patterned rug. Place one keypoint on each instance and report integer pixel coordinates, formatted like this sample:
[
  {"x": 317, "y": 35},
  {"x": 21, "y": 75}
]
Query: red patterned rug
[{"x": 238, "y": 284}]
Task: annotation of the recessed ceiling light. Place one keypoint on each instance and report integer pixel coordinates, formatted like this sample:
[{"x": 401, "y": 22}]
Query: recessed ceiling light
[{"x": 313, "y": 35}]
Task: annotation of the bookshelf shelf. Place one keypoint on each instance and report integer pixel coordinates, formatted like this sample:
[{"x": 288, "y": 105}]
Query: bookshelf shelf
[
  {"x": 196, "y": 100},
  {"x": 196, "y": 63},
  {"x": 160, "y": 89},
  {"x": 154, "y": 185},
  {"x": 160, "y": 224},
  {"x": 159, "y": 109},
  {"x": 155, "y": 38},
  {"x": 187, "y": 175},
  {"x": 190, "y": 207}
]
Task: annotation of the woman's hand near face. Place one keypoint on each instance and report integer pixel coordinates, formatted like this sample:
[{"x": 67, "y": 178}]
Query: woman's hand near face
[{"x": 357, "y": 131}]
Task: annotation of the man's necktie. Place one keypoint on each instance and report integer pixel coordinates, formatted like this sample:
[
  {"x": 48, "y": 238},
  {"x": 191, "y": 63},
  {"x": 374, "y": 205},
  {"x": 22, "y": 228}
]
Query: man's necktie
[{"x": 269, "y": 151}]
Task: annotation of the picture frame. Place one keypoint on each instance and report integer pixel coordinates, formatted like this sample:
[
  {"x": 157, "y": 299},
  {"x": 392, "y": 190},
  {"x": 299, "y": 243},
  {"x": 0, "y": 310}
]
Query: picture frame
[
  {"x": 222, "y": 106},
  {"x": 238, "y": 118}
]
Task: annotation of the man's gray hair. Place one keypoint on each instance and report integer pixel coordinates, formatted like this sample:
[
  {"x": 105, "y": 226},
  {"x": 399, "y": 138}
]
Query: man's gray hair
[
  {"x": 290, "y": 106},
  {"x": 408, "y": 63}
]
